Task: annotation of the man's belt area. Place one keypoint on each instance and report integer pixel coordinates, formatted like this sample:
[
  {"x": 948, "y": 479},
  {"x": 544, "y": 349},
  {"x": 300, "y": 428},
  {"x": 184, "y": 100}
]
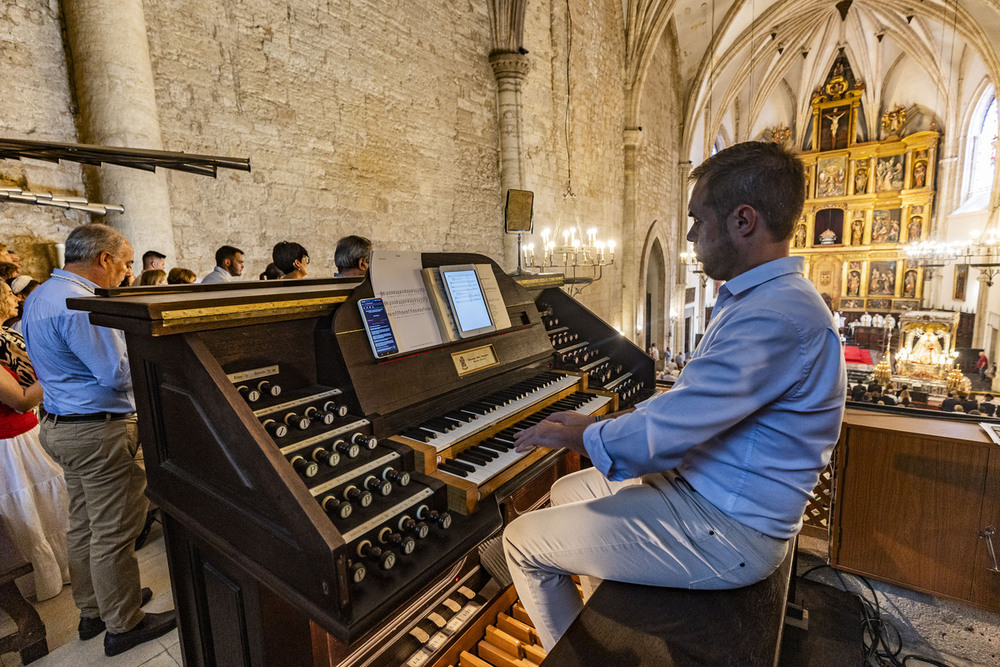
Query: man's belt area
[{"x": 88, "y": 418}]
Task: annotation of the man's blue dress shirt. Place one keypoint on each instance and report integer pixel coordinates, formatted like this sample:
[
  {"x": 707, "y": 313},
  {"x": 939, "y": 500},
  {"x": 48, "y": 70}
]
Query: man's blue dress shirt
[
  {"x": 83, "y": 368},
  {"x": 756, "y": 412}
]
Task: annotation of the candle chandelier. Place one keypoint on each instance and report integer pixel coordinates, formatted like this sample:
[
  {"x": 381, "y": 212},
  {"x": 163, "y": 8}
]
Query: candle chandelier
[
  {"x": 981, "y": 251},
  {"x": 581, "y": 260}
]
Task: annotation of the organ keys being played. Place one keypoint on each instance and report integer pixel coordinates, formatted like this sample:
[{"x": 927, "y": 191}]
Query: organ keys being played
[{"x": 321, "y": 467}]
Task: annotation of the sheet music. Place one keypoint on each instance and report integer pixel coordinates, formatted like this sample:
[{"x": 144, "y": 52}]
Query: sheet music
[
  {"x": 396, "y": 279},
  {"x": 494, "y": 298}
]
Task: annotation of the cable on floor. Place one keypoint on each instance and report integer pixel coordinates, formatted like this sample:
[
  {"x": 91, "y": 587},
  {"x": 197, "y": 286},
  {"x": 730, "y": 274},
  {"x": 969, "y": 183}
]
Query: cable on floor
[{"x": 882, "y": 641}]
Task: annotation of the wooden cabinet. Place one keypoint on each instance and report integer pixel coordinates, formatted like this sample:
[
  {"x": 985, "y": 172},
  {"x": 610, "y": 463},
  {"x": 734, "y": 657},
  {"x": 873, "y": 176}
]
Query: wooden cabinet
[{"x": 912, "y": 497}]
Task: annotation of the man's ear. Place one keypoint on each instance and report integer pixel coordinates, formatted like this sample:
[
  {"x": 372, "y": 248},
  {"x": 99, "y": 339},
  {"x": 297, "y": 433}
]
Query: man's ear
[{"x": 745, "y": 219}]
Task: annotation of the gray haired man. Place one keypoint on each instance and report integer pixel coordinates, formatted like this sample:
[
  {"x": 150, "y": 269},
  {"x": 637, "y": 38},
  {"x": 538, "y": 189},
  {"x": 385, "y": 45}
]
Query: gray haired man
[{"x": 89, "y": 428}]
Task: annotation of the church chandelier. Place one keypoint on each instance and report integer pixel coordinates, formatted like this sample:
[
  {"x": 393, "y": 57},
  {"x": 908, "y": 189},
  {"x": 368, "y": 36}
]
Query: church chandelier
[
  {"x": 580, "y": 259},
  {"x": 981, "y": 251}
]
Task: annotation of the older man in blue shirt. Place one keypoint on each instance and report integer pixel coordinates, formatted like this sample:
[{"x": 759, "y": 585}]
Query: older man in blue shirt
[
  {"x": 89, "y": 428},
  {"x": 703, "y": 486}
]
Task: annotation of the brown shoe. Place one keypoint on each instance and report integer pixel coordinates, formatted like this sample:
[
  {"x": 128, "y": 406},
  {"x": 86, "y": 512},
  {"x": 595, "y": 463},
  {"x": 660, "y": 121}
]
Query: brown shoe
[{"x": 150, "y": 627}]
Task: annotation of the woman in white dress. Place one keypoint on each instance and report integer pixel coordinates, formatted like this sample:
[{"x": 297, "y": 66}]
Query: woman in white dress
[{"x": 33, "y": 499}]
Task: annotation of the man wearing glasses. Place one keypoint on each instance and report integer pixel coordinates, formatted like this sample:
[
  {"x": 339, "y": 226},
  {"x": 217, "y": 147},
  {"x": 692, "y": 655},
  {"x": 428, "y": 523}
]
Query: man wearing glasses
[{"x": 291, "y": 259}]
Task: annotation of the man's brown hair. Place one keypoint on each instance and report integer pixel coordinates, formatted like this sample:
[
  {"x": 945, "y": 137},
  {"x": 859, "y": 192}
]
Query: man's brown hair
[{"x": 764, "y": 175}]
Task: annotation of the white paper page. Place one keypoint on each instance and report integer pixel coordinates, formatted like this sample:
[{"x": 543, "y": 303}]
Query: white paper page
[{"x": 396, "y": 279}]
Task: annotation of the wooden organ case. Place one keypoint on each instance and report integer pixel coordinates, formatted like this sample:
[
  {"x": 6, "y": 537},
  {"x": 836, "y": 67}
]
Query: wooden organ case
[{"x": 317, "y": 502}]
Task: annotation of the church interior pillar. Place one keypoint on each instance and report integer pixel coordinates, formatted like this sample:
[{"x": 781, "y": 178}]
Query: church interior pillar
[
  {"x": 113, "y": 79},
  {"x": 630, "y": 239},
  {"x": 510, "y": 70},
  {"x": 982, "y": 310}
]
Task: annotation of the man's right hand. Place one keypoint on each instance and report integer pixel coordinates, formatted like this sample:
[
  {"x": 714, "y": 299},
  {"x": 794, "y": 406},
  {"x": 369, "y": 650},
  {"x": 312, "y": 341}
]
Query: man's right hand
[{"x": 562, "y": 429}]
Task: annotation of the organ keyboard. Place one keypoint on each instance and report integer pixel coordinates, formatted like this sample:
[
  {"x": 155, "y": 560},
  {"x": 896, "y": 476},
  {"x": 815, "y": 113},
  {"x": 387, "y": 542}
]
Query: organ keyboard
[{"x": 306, "y": 484}]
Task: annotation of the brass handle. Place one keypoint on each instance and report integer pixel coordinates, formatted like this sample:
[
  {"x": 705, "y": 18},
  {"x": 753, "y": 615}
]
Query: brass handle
[{"x": 987, "y": 534}]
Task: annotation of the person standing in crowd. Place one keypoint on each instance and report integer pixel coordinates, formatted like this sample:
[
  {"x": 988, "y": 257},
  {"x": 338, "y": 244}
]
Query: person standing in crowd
[
  {"x": 982, "y": 363},
  {"x": 228, "y": 265},
  {"x": 271, "y": 272},
  {"x": 21, "y": 287},
  {"x": 291, "y": 259},
  {"x": 702, "y": 486},
  {"x": 154, "y": 260},
  {"x": 352, "y": 257},
  {"x": 89, "y": 428},
  {"x": 33, "y": 496},
  {"x": 181, "y": 276},
  {"x": 153, "y": 277}
]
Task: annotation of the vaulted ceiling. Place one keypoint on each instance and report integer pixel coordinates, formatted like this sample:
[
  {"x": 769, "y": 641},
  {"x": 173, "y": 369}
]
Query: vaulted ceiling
[{"x": 747, "y": 65}]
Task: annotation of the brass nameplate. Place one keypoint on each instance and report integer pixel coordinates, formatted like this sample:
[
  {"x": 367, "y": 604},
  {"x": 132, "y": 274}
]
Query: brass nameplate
[
  {"x": 476, "y": 359},
  {"x": 181, "y": 316}
]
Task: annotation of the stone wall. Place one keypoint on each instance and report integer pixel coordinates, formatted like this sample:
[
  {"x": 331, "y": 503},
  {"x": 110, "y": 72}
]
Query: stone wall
[
  {"x": 365, "y": 117},
  {"x": 36, "y": 105},
  {"x": 573, "y": 121},
  {"x": 658, "y": 178}
]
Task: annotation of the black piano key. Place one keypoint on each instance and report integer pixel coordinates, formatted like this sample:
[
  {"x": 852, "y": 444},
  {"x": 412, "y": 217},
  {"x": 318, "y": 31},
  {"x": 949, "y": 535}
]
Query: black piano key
[
  {"x": 454, "y": 470},
  {"x": 496, "y": 445},
  {"x": 483, "y": 451},
  {"x": 472, "y": 459},
  {"x": 467, "y": 467},
  {"x": 438, "y": 424},
  {"x": 418, "y": 433},
  {"x": 458, "y": 416}
]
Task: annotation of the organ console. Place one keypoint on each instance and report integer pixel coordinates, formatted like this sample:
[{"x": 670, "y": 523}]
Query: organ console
[{"x": 318, "y": 501}]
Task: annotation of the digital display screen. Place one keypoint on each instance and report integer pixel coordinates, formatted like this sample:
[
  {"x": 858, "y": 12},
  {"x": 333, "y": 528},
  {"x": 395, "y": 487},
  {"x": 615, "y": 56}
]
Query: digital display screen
[
  {"x": 467, "y": 298},
  {"x": 377, "y": 327}
]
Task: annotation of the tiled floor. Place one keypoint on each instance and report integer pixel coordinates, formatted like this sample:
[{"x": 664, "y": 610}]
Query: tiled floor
[
  {"x": 61, "y": 617},
  {"x": 931, "y": 627}
]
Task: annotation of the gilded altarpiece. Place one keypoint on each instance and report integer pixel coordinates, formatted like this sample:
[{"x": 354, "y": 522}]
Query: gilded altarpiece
[{"x": 865, "y": 201}]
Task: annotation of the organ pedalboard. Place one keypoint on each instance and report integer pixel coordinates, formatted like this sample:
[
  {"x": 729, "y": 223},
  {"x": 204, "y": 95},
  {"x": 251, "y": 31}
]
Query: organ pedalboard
[{"x": 306, "y": 484}]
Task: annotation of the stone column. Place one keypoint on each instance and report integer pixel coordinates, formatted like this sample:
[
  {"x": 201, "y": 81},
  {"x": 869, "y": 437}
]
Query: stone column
[
  {"x": 982, "y": 310},
  {"x": 510, "y": 70},
  {"x": 631, "y": 239},
  {"x": 680, "y": 272},
  {"x": 113, "y": 80}
]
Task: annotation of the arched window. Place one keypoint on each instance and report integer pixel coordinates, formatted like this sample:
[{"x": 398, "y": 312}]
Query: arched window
[{"x": 982, "y": 148}]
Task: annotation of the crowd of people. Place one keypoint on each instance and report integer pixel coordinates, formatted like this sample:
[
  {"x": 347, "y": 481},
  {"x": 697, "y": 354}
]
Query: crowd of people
[
  {"x": 983, "y": 404},
  {"x": 72, "y": 484},
  {"x": 289, "y": 260}
]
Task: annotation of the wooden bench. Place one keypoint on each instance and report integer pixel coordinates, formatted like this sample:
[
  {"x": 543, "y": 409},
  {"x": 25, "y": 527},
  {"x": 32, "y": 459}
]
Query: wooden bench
[
  {"x": 627, "y": 624},
  {"x": 29, "y": 640}
]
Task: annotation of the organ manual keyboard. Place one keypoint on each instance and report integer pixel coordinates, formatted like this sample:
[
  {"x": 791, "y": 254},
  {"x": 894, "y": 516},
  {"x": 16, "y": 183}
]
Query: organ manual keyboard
[{"x": 318, "y": 501}]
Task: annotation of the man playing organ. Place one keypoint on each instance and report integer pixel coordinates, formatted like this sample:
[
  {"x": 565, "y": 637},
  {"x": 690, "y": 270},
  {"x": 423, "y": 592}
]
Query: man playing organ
[{"x": 703, "y": 486}]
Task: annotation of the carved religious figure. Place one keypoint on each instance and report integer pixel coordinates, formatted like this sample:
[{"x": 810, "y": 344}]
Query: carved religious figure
[
  {"x": 893, "y": 121},
  {"x": 800, "y": 236},
  {"x": 834, "y": 123},
  {"x": 920, "y": 175},
  {"x": 860, "y": 181},
  {"x": 927, "y": 349},
  {"x": 854, "y": 283},
  {"x": 910, "y": 283},
  {"x": 913, "y": 229},
  {"x": 857, "y": 231}
]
